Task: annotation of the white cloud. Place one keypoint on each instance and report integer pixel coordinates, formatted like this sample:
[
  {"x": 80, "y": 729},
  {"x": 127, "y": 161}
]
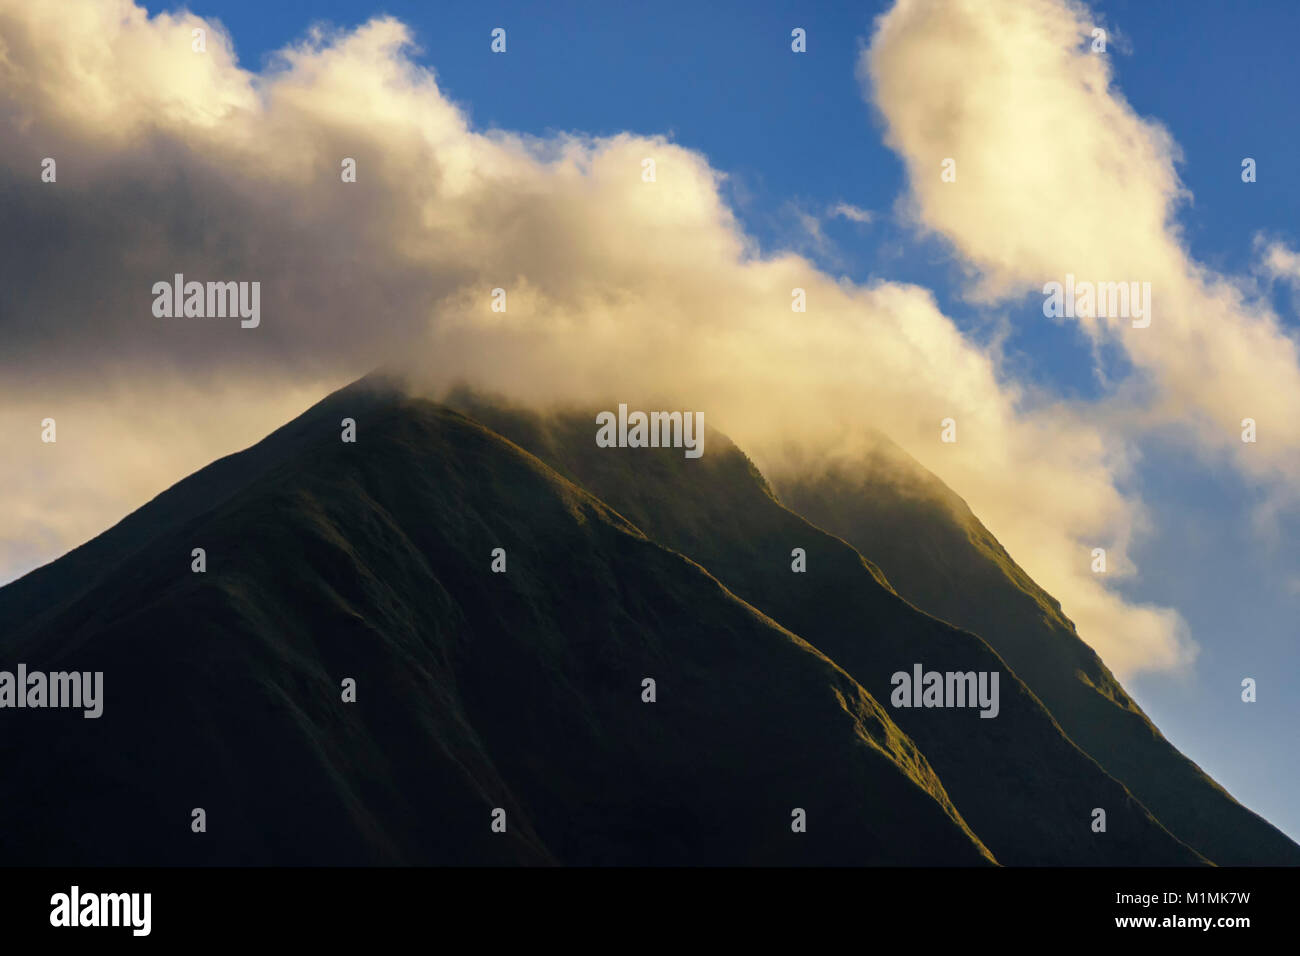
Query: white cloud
[
  {"x": 852, "y": 213},
  {"x": 616, "y": 288},
  {"x": 1057, "y": 175},
  {"x": 1279, "y": 261}
]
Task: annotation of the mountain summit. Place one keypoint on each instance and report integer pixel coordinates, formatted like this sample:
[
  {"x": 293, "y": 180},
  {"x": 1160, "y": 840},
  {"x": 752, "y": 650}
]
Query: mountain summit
[{"x": 472, "y": 636}]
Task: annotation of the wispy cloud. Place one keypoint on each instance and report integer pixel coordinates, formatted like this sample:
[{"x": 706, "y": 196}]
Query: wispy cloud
[
  {"x": 852, "y": 213},
  {"x": 1279, "y": 261}
]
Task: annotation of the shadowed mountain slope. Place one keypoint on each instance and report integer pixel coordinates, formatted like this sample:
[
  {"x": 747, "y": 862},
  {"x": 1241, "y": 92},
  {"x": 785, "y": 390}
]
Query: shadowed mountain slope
[
  {"x": 474, "y": 690},
  {"x": 1023, "y": 786},
  {"x": 939, "y": 556}
]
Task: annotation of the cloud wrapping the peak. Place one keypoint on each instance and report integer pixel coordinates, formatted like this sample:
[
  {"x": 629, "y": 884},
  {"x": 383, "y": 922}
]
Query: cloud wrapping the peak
[{"x": 617, "y": 289}]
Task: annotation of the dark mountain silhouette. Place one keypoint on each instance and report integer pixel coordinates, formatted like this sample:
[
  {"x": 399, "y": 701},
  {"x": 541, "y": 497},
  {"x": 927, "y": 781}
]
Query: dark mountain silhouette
[
  {"x": 1017, "y": 779},
  {"x": 475, "y": 690},
  {"x": 939, "y": 556},
  {"x": 523, "y": 690}
]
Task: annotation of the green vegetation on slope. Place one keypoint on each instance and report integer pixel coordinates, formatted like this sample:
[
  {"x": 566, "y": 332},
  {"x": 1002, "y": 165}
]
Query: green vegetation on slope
[
  {"x": 939, "y": 556},
  {"x": 1023, "y": 786},
  {"x": 475, "y": 690}
]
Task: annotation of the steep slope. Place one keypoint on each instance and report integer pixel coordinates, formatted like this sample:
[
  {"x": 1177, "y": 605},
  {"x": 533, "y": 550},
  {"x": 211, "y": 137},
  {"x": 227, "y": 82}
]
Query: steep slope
[
  {"x": 940, "y": 557},
  {"x": 1021, "y": 784},
  {"x": 474, "y": 690}
]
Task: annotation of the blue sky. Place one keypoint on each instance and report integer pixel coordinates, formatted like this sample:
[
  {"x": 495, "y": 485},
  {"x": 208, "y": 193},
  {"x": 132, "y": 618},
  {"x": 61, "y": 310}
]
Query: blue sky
[{"x": 1222, "y": 81}]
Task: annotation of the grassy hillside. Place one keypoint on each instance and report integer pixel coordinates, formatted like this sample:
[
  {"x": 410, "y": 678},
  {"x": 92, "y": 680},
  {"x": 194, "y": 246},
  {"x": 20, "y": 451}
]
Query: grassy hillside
[
  {"x": 1025, "y": 788},
  {"x": 475, "y": 690},
  {"x": 938, "y": 555}
]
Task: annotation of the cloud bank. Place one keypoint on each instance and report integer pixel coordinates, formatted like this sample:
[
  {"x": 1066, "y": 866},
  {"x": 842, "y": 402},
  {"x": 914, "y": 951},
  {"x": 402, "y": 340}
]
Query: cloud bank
[{"x": 171, "y": 161}]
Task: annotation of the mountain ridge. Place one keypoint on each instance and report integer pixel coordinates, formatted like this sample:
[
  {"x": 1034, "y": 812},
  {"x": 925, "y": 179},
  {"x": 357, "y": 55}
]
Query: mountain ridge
[
  {"x": 865, "y": 502},
  {"x": 371, "y": 560},
  {"x": 721, "y": 511},
  {"x": 475, "y": 690}
]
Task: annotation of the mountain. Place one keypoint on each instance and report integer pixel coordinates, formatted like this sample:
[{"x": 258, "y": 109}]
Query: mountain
[
  {"x": 1021, "y": 784},
  {"x": 524, "y": 690},
  {"x": 475, "y": 690},
  {"x": 939, "y": 556}
]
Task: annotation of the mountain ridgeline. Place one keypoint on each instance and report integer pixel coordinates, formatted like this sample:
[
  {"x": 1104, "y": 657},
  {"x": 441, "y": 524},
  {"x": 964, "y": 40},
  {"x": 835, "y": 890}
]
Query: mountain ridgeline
[
  {"x": 637, "y": 676},
  {"x": 938, "y": 555}
]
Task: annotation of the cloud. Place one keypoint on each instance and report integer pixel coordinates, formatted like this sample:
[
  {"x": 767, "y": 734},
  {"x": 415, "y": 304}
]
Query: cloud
[
  {"x": 812, "y": 225},
  {"x": 805, "y": 232},
  {"x": 1057, "y": 175},
  {"x": 1279, "y": 261},
  {"x": 852, "y": 213},
  {"x": 171, "y": 162}
]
